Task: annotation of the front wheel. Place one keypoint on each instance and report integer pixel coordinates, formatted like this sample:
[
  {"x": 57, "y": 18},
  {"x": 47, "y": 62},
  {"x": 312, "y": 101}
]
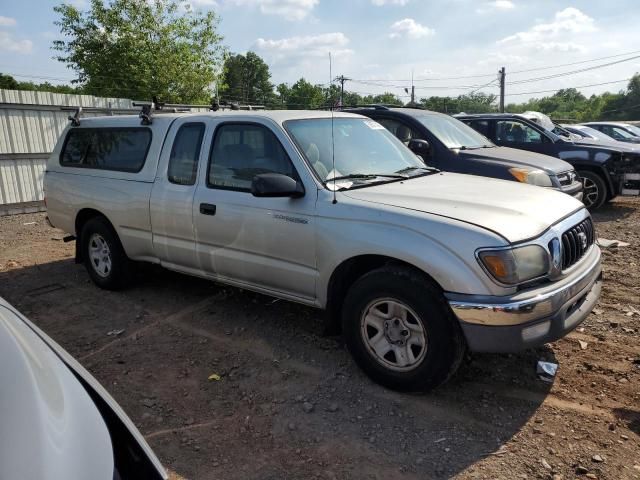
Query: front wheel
[
  {"x": 400, "y": 330},
  {"x": 595, "y": 189}
]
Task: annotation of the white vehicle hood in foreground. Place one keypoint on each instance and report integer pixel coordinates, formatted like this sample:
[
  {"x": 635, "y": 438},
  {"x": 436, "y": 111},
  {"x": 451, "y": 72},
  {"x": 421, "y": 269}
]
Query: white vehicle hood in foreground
[
  {"x": 513, "y": 210},
  {"x": 50, "y": 427}
]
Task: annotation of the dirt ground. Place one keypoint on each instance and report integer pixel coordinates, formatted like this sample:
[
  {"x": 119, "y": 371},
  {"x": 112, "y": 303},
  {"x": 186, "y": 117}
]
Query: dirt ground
[{"x": 290, "y": 404}]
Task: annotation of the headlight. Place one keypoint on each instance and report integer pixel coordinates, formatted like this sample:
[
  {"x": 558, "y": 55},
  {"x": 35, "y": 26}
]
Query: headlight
[
  {"x": 516, "y": 265},
  {"x": 533, "y": 177}
]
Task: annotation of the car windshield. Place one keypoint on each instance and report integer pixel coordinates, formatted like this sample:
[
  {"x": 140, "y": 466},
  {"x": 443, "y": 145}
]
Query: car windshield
[
  {"x": 364, "y": 150},
  {"x": 453, "y": 133},
  {"x": 621, "y": 132},
  {"x": 633, "y": 129},
  {"x": 590, "y": 132}
]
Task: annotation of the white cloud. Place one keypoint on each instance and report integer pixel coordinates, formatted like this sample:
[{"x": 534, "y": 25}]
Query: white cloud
[
  {"x": 295, "y": 48},
  {"x": 410, "y": 28},
  {"x": 380, "y": 3},
  {"x": 289, "y": 9},
  {"x": 9, "y": 44},
  {"x": 7, "y": 21},
  {"x": 561, "y": 47},
  {"x": 502, "y": 4},
  {"x": 567, "y": 21}
]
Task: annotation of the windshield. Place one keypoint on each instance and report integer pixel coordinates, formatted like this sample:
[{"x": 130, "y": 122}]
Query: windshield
[
  {"x": 633, "y": 129},
  {"x": 589, "y": 132},
  {"x": 453, "y": 133},
  {"x": 621, "y": 133},
  {"x": 362, "y": 148}
]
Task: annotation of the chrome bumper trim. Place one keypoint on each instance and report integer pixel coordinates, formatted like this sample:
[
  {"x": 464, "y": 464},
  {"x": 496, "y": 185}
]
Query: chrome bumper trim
[{"x": 495, "y": 311}]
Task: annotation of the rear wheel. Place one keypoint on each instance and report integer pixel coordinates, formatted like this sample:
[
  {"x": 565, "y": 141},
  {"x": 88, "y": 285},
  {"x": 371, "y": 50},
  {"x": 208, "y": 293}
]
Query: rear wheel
[
  {"x": 103, "y": 255},
  {"x": 595, "y": 189},
  {"x": 400, "y": 331}
]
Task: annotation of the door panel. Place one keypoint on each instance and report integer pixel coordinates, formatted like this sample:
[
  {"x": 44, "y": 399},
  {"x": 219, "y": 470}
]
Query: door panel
[
  {"x": 266, "y": 242},
  {"x": 172, "y": 196}
]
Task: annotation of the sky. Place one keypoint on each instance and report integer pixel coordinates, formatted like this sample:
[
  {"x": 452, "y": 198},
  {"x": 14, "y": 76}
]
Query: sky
[{"x": 381, "y": 44}]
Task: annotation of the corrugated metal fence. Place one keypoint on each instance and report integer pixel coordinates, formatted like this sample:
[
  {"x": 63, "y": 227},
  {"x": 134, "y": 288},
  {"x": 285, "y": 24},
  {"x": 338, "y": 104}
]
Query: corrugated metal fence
[{"x": 30, "y": 124}]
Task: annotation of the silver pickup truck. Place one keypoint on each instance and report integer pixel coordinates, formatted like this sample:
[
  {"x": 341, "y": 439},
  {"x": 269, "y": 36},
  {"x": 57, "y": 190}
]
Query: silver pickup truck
[{"x": 413, "y": 265}]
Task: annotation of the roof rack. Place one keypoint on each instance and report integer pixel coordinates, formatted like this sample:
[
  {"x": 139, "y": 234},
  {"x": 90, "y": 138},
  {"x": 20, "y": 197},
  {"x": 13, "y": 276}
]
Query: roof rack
[
  {"x": 155, "y": 106},
  {"x": 78, "y": 111}
]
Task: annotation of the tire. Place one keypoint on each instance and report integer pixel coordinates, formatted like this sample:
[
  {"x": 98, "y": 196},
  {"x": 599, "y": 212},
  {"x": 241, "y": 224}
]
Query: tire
[
  {"x": 595, "y": 189},
  {"x": 103, "y": 255},
  {"x": 416, "y": 317}
]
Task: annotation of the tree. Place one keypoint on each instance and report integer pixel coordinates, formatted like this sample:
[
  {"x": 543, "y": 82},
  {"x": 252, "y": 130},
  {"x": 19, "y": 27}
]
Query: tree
[
  {"x": 382, "y": 99},
  {"x": 246, "y": 78},
  {"x": 303, "y": 95},
  {"x": 141, "y": 48},
  {"x": 8, "y": 82}
]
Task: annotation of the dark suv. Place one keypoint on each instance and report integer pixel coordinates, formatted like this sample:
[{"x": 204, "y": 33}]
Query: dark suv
[
  {"x": 448, "y": 144},
  {"x": 606, "y": 170}
]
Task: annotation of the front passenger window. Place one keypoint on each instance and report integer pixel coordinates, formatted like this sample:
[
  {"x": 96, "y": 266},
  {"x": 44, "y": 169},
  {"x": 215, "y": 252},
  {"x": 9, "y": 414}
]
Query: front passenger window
[{"x": 242, "y": 151}]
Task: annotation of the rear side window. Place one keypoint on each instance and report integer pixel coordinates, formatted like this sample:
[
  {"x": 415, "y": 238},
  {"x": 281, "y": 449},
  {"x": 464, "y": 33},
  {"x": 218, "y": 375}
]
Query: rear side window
[
  {"x": 119, "y": 149},
  {"x": 183, "y": 162}
]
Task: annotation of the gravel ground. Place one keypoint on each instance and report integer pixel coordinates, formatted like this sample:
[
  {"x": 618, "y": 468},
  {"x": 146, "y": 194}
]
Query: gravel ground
[{"x": 291, "y": 404}]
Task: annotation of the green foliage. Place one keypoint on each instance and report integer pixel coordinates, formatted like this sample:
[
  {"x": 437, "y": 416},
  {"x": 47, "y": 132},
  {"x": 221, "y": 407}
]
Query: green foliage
[
  {"x": 246, "y": 79},
  {"x": 303, "y": 95},
  {"x": 140, "y": 48},
  {"x": 10, "y": 83},
  {"x": 570, "y": 105},
  {"x": 383, "y": 99}
]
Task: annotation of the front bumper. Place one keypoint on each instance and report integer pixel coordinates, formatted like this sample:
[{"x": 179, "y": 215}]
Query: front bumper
[
  {"x": 575, "y": 190},
  {"x": 496, "y": 324}
]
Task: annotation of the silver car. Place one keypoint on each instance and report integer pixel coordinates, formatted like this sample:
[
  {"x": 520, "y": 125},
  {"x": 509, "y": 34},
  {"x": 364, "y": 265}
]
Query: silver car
[{"x": 413, "y": 265}]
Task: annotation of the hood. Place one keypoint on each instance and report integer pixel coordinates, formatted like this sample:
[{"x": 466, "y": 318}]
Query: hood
[
  {"x": 513, "y": 210},
  {"x": 612, "y": 144},
  {"x": 50, "y": 426},
  {"x": 521, "y": 158}
]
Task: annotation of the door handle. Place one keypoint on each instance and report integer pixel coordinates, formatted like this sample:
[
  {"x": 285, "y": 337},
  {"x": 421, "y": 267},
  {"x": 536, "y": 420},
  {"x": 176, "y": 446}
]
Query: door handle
[{"x": 207, "y": 209}]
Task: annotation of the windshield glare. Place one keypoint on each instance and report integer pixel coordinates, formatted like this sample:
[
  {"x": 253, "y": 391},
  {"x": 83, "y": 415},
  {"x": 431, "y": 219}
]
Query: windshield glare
[
  {"x": 635, "y": 130},
  {"x": 453, "y": 133},
  {"x": 362, "y": 147}
]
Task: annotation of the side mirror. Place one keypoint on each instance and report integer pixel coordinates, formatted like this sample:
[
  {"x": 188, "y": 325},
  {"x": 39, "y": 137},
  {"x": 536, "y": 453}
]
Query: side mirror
[
  {"x": 420, "y": 147},
  {"x": 276, "y": 185}
]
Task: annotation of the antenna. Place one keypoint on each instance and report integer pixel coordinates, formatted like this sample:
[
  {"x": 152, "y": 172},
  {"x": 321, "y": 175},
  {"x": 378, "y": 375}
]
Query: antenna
[{"x": 333, "y": 146}]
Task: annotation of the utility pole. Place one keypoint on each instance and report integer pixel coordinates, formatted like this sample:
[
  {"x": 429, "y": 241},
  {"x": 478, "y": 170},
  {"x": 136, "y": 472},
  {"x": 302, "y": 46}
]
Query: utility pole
[
  {"x": 501, "y": 75},
  {"x": 413, "y": 91},
  {"x": 342, "y": 79}
]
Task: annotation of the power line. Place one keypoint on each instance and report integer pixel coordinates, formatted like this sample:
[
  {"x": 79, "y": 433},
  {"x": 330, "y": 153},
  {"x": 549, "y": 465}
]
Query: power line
[
  {"x": 429, "y": 87},
  {"x": 574, "y": 63},
  {"x": 558, "y": 89},
  {"x": 564, "y": 74}
]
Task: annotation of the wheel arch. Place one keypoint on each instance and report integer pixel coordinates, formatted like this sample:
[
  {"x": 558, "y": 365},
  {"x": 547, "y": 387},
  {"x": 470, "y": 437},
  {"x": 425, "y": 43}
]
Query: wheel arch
[
  {"x": 346, "y": 273},
  {"x": 597, "y": 169},
  {"x": 82, "y": 217}
]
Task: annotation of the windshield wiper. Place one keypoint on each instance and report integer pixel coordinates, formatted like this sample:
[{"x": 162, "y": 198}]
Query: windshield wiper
[
  {"x": 409, "y": 169},
  {"x": 464, "y": 147},
  {"x": 363, "y": 176}
]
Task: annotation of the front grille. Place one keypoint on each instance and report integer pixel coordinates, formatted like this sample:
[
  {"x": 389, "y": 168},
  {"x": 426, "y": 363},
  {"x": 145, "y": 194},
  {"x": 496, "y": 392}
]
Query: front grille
[
  {"x": 567, "y": 178},
  {"x": 576, "y": 241}
]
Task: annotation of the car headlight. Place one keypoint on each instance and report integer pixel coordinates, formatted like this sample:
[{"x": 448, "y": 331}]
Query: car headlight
[
  {"x": 516, "y": 265},
  {"x": 533, "y": 177}
]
